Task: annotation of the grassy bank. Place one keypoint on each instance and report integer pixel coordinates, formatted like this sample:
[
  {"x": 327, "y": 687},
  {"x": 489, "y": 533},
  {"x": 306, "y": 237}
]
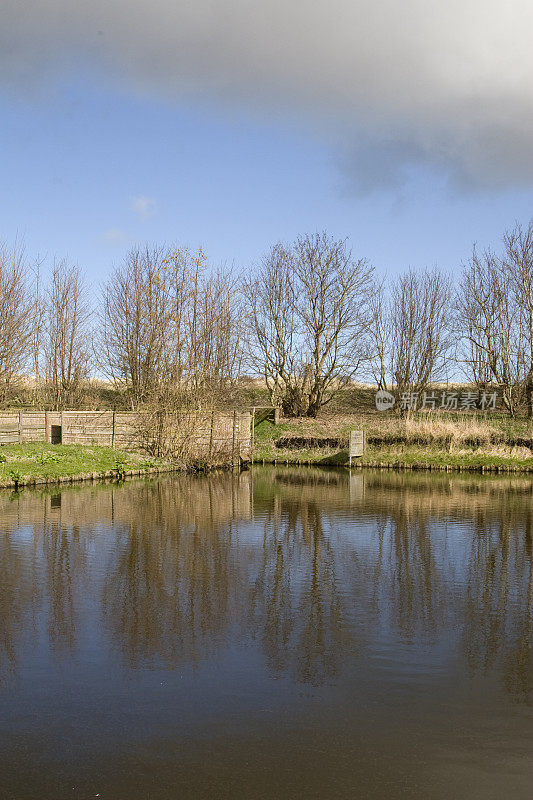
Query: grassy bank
[
  {"x": 37, "y": 462},
  {"x": 441, "y": 441}
]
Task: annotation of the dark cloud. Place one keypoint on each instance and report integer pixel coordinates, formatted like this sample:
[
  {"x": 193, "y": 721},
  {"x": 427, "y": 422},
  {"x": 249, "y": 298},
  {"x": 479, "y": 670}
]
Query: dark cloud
[{"x": 444, "y": 83}]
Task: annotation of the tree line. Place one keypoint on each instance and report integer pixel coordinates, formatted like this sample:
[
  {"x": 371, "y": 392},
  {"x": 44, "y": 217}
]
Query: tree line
[{"x": 309, "y": 318}]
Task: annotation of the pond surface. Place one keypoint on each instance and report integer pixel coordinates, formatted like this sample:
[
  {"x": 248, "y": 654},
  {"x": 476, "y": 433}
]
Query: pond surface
[{"x": 282, "y": 633}]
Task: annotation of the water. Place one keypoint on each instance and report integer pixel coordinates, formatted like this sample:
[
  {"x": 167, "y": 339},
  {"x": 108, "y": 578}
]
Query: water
[{"x": 283, "y": 633}]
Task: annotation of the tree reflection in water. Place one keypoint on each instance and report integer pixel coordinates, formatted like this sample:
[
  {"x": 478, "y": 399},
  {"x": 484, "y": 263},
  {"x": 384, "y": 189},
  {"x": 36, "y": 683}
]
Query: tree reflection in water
[
  {"x": 296, "y": 600},
  {"x": 499, "y": 598},
  {"x": 171, "y": 584},
  {"x": 316, "y": 566}
]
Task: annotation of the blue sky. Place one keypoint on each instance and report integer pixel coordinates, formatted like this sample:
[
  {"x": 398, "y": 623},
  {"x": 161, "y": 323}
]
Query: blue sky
[{"x": 96, "y": 155}]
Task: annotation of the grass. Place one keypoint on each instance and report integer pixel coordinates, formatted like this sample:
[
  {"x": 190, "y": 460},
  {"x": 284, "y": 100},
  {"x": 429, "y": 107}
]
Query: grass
[
  {"x": 37, "y": 461},
  {"x": 466, "y": 441}
]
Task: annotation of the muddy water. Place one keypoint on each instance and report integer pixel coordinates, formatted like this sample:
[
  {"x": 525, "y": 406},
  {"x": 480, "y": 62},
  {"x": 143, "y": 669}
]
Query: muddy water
[{"x": 283, "y": 633}]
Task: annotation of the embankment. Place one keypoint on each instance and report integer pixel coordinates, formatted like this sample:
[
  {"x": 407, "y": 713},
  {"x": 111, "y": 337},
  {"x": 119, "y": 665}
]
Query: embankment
[{"x": 462, "y": 443}]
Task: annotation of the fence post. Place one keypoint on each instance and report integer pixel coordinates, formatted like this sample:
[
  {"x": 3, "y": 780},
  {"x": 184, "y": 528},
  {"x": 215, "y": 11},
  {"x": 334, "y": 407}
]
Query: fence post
[
  {"x": 62, "y": 427},
  {"x": 252, "y": 435},
  {"x": 46, "y": 429},
  {"x": 20, "y": 426},
  {"x": 113, "y": 431},
  {"x": 211, "y": 434},
  {"x": 234, "y": 436}
]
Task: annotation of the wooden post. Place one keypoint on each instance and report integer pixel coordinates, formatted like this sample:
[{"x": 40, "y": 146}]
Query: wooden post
[
  {"x": 20, "y": 426},
  {"x": 62, "y": 428},
  {"x": 46, "y": 427},
  {"x": 252, "y": 436},
  {"x": 211, "y": 434},
  {"x": 113, "y": 430},
  {"x": 234, "y": 437}
]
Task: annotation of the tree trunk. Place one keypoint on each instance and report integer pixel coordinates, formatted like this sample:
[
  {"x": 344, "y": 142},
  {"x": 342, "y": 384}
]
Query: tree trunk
[{"x": 529, "y": 393}]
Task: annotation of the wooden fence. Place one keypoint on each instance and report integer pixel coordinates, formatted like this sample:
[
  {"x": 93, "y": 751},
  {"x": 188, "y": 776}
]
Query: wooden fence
[
  {"x": 226, "y": 496},
  {"x": 206, "y": 434},
  {"x": 261, "y": 413}
]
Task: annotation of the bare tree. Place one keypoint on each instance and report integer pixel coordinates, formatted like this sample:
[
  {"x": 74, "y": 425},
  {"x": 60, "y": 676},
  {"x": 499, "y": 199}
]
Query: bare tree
[
  {"x": 309, "y": 317},
  {"x": 171, "y": 328},
  {"x": 333, "y": 308},
  {"x": 488, "y": 317},
  {"x": 38, "y": 316},
  {"x": 272, "y": 332},
  {"x": 419, "y": 326},
  {"x": 16, "y": 308},
  {"x": 203, "y": 345},
  {"x": 135, "y": 320},
  {"x": 219, "y": 346},
  {"x": 518, "y": 262},
  {"x": 380, "y": 336},
  {"x": 67, "y": 344}
]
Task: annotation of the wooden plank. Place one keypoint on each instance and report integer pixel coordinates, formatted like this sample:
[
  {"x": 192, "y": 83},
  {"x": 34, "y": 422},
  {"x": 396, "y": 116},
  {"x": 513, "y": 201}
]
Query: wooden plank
[{"x": 228, "y": 433}]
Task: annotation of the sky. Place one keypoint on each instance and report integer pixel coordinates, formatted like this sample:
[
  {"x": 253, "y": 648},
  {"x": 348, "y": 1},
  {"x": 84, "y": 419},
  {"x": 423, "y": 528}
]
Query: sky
[{"x": 405, "y": 127}]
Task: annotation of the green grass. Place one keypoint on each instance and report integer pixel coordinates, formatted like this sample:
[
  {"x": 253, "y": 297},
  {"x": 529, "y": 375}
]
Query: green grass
[
  {"x": 440, "y": 458},
  {"x": 39, "y": 461},
  {"x": 447, "y": 442}
]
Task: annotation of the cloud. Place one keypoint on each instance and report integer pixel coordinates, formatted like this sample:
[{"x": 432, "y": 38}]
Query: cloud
[
  {"x": 114, "y": 236},
  {"x": 445, "y": 84},
  {"x": 143, "y": 206}
]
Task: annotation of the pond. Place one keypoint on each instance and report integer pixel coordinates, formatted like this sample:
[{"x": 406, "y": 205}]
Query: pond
[{"x": 278, "y": 633}]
